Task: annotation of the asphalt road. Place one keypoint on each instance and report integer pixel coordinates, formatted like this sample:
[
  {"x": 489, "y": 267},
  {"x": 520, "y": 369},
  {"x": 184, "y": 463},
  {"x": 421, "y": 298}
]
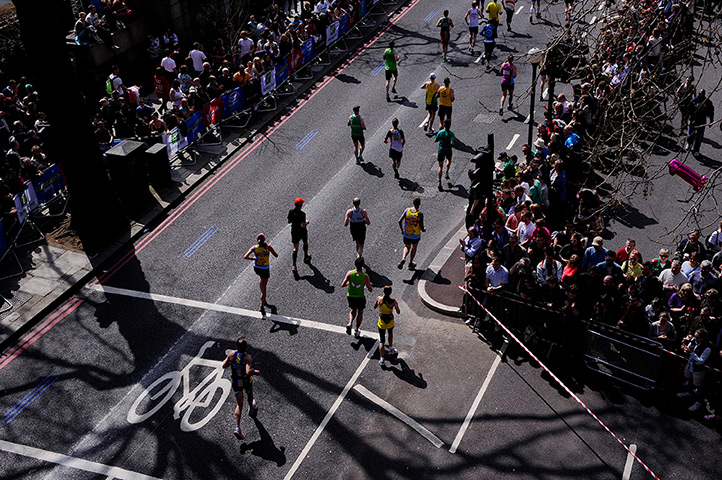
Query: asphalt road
[{"x": 75, "y": 395}]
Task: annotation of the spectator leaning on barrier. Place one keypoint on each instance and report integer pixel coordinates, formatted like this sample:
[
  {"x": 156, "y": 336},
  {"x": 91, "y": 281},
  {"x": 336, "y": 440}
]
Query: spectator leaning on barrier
[
  {"x": 471, "y": 244},
  {"x": 497, "y": 277},
  {"x": 549, "y": 267}
]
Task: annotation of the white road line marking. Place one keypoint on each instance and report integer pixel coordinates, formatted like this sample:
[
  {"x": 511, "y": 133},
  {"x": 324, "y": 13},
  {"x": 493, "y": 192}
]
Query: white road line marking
[
  {"x": 519, "y": 11},
  {"x": 630, "y": 462},
  {"x": 528, "y": 117},
  {"x": 72, "y": 462},
  {"x": 545, "y": 93},
  {"x": 477, "y": 401},
  {"x": 436, "y": 441},
  {"x": 421, "y": 125},
  {"x": 330, "y": 413},
  {"x": 601, "y": 6},
  {"x": 594, "y": 19},
  {"x": 220, "y": 308},
  {"x": 479, "y": 59},
  {"x": 513, "y": 141}
]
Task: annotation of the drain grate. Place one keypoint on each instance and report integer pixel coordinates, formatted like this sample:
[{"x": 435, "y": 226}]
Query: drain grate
[{"x": 19, "y": 299}]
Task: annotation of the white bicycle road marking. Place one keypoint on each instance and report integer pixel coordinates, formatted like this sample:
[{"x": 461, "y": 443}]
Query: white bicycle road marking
[
  {"x": 72, "y": 462},
  {"x": 436, "y": 441},
  {"x": 200, "y": 397}
]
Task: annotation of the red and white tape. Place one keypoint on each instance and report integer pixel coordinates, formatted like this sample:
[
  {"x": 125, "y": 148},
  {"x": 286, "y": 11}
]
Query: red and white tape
[{"x": 566, "y": 389}]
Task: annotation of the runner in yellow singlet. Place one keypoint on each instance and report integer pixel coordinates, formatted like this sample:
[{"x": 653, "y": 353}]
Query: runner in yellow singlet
[
  {"x": 411, "y": 224},
  {"x": 432, "y": 102},
  {"x": 446, "y": 97},
  {"x": 260, "y": 253},
  {"x": 386, "y": 306}
]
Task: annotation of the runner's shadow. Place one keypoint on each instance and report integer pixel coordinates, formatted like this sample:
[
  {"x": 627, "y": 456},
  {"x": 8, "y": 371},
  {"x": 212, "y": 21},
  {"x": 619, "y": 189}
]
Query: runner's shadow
[
  {"x": 516, "y": 116},
  {"x": 367, "y": 343},
  {"x": 265, "y": 448},
  {"x": 406, "y": 374},
  {"x": 408, "y": 185},
  {"x": 457, "y": 190},
  {"x": 417, "y": 274},
  {"x": 347, "y": 78},
  {"x": 462, "y": 147},
  {"x": 317, "y": 280},
  {"x": 377, "y": 280},
  {"x": 372, "y": 169},
  {"x": 404, "y": 101},
  {"x": 283, "y": 327}
]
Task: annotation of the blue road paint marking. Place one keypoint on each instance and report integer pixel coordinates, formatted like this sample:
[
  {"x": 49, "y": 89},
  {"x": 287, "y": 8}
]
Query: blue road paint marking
[
  {"x": 311, "y": 135},
  {"x": 25, "y": 402},
  {"x": 200, "y": 242},
  {"x": 378, "y": 69},
  {"x": 430, "y": 16}
]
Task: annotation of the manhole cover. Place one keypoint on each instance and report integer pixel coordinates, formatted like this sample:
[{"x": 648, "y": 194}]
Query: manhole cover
[
  {"x": 485, "y": 118},
  {"x": 18, "y": 299}
]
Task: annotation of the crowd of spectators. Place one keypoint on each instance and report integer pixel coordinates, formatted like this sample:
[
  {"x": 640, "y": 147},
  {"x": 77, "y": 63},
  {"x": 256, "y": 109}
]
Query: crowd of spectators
[
  {"x": 23, "y": 129},
  {"x": 538, "y": 239},
  {"x": 101, "y": 20},
  {"x": 186, "y": 79}
]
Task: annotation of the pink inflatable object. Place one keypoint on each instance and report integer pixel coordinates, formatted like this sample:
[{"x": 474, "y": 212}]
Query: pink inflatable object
[{"x": 690, "y": 176}]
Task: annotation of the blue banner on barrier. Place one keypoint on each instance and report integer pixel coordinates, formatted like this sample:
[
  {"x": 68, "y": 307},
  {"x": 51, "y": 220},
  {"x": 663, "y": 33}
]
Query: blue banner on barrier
[
  {"x": 195, "y": 126},
  {"x": 307, "y": 51},
  {"x": 282, "y": 71},
  {"x": 343, "y": 25},
  {"x": 233, "y": 102},
  {"x": 48, "y": 184}
]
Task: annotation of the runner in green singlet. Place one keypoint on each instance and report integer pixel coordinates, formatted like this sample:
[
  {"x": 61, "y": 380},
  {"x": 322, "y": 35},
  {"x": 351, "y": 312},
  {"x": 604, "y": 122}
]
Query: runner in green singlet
[
  {"x": 391, "y": 57},
  {"x": 357, "y": 124},
  {"x": 356, "y": 280}
]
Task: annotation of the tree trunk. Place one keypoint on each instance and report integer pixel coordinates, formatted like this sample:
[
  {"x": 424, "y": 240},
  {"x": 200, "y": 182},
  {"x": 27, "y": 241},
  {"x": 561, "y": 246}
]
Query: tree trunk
[{"x": 96, "y": 213}]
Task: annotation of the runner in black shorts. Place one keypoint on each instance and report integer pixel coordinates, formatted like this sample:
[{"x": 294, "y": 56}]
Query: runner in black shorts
[
  {"x": 242, "y": 374},
  {"x": 357, "y": 124},
  {"x": 299, "y": 233},
  {"x": 260, "y": 253},
  {"x": 357, "y": 218}
]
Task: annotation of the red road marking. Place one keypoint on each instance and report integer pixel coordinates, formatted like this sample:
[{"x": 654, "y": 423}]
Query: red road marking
[{"x": 44, "y": 327}]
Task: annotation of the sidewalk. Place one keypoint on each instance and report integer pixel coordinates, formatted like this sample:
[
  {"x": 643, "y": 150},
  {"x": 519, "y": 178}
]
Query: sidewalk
[
  {"x": 53, "y": 273},
  {"x": 439, "y": 286}
]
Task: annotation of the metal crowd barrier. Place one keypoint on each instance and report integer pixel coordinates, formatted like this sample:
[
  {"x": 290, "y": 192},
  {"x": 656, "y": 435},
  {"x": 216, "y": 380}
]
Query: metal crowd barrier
[{"x": 612, "y": 355}]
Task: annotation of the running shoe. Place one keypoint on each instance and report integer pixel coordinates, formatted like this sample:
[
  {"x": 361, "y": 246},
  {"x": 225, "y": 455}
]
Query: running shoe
[
  {"x": 293, "y": 269},
  {"x": 348, "y": 329},
  {"x": 684, "y": 394},
  {"x": 393, "y": 89},
  {"x": 253, "y": 410},
  {"x": 431, "y": 130},
  {"x": 541, "y": 97},
  {"x": 447, "y": 175},
  {"x": 510, "y": 107},
  {"x": 501, "y": 111},
  {"x": 531, "y": 19},
  {"x": 237, "y": 432},
  {"x": 696, "y": 406},
  {"x": 263, "y": 311},
  {"x": 412, "y": 265},
  {"x": 443, "y": 57},
  {"x": 307, "y": 259},
  {"x": 426, "y": 126},
  {"x": 381, "y": 362},
  {"x": 401, "y": 264},
  {"x": 388, "y": 99},
  {"x": 360, "y": 158},
  {"x": 441, "y": 189},
  {"x": 711, "y": 416},
  {"x": 508, "y": 29},
  {"x": 538, "y": 16},
  {"x": 396, "y": 173},
  {"x": 357, "y": 333},
  {"x": 392, "y": 351}
]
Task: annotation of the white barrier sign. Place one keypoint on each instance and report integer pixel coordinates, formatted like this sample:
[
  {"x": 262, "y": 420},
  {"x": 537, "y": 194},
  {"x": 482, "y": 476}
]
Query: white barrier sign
[
  {"x": 268, "y": 82},
  {"x": 25, "y": 202},
  {"x": 332, "y": 33}
]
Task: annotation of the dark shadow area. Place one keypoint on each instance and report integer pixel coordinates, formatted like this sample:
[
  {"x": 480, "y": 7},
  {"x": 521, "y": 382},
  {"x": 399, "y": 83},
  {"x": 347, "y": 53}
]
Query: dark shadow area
[
  {"x": 317, "y": 280},
  {"x": 406, "y": 374},
  {"x": 342, "y": 77},
  {"x": 514, "y": 116},
  {"x": 462, "y": 147},
  {"x": 629, "y": 216},
  {"x": 265, "y": 448},
  {"x": 367, "y": 343},
  {"x": 457, "y": 190},
  {"x": 417, "y": 275},
  {"x": 371, "y": 169},
  {"x": 408, "y": 185},
  {"x": 283, "y": 327},
  {"x": 377, "y": 279},
  {"x": 439, "y": 279}
]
